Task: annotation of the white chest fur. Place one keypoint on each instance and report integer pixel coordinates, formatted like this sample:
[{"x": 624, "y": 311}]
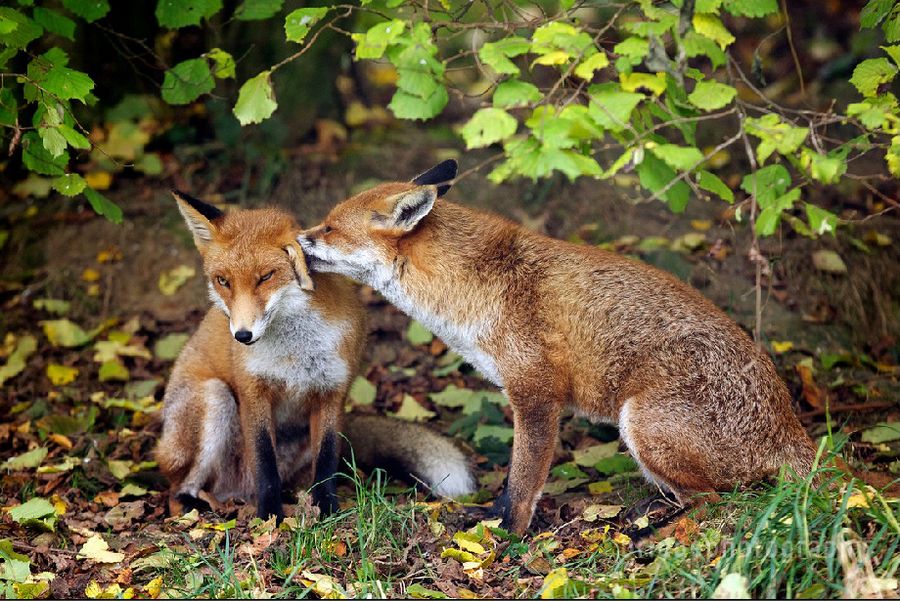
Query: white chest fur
[
  {"x": 300, "y": 348},
  {"x": 462, "y": 337}
]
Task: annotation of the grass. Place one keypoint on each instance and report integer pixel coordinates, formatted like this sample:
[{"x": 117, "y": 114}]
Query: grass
[{"x": 819, "y": 537}]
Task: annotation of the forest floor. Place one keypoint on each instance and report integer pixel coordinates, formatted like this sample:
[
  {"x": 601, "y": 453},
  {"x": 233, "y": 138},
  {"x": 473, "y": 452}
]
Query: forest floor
[{"x": 95, "y": 313}]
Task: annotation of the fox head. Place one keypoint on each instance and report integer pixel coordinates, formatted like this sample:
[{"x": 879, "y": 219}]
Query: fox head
[
  {"x": 252, "y": 261},
  {"x": 360, "y": 236}
]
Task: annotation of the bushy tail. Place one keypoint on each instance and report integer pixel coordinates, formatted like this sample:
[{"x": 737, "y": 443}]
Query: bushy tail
[{"x": 407, "y": 449}]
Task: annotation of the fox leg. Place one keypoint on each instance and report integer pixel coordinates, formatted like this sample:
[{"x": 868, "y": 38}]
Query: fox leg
[
  {"x": 257, "y": 427},
  {"x": 192, "y": 467},
  {"x": 324, "y": 424},
  {"x": 672, "y": 451},
  {"x": 536, "y": 427}
]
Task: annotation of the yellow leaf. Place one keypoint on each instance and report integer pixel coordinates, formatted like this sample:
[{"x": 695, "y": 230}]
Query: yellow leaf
[
  {"x": 858, "y": 499},
  {"x": 97, "y": 549},
  {"x": 782, "y": 346},
  {"x": 154, "y": 587},
  {"x": 62, "y": 332},
  {"x": 587, "y": 67},
  {"x": 170, "y": 281},
  {"x": 458, "y": 555},
  {"x": 622, "y": 539},
  {"x": 467, "y": 544},
  {"x": 554, "y": 583},
  {"x": 93, "y": 590},
  {"x": 90, "y": 275},
  {"x": 98, "y": 180},
  {"x": 557, "y": 57},
  {"x": 701, "y": 224},
  {"x": 710, "y": 26},
  {"x": 59, "y": 505},
  {"x": 411, "y": 410},
  {"x": 654, "y": 82},
  {"x": 60, "y": 375}
]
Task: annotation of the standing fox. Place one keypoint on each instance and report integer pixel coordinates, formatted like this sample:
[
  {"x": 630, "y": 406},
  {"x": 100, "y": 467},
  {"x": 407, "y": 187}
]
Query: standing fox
[
  {"x": 558, "y": 325},
  {"x": 257, "y": 394}
]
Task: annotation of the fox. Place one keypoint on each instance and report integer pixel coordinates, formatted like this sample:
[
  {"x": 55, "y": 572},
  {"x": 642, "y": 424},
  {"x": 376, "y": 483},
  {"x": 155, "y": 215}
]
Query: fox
[
  {"x": 559, "y": 326},
  {"x": 255, "y": 401}
]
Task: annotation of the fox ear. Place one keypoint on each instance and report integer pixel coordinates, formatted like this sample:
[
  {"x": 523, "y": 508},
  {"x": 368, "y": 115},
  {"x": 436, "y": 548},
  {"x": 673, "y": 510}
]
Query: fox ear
[
  {"x": 298, "y": 261},
  {"x": 408, "y": 209},
  {"x": 439, "y": 175},
  {"x": 199, "y": 217}
]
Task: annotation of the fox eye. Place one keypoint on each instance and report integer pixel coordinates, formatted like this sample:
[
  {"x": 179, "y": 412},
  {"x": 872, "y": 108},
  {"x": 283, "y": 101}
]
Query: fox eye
[
  {"x": 327, "y": 229},
  {"x": 221, "y": 281},
  {"x": 266, "y": 277}
]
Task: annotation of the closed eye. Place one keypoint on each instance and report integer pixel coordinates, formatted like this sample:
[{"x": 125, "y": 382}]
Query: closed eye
[
  {"x": 266, "y": 277},
  {"x": 327, "y": 229}
]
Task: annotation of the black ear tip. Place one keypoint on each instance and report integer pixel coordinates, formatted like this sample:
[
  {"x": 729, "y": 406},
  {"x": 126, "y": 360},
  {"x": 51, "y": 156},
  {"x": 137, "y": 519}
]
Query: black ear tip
[
  {"x": 205, "y": 209},
  {"x": 441, "y": 173}
]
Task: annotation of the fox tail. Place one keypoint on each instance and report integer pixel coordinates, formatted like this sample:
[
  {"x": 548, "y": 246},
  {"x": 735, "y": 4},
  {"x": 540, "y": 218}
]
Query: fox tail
[{"x": 408, "y": 449}]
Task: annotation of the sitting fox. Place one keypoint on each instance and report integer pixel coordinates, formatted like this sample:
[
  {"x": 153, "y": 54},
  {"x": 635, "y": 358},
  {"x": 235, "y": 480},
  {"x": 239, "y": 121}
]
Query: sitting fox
[
  {"x": 556, "y": 325},
  {"x": 257, "y": 395}
]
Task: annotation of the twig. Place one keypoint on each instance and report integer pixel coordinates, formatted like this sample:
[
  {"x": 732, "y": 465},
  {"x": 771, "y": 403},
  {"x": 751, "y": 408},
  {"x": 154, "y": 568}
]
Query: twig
[
  {"x": 847, "y": 407},
  {"x": 790, "y": 39}
]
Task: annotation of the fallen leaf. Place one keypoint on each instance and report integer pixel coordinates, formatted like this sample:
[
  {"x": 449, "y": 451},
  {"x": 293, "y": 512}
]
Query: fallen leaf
[
  {"x": 32, "y": 509},
  {"x": 782, "y": 346},
  {"x": 881, "y": 433},
  {"x": 52, "y": 305},
  {"x": 113, "y": 370},
  {"x": 592, "y": 513},
  {"x": 27, "y": 460},
  {"x": 588, "y": 457},
  {"x": 25, "y": 346},
  {"x": 62, "y": 332},
  {"x": 60, "y": 375},
  {"x": 170, "y": 281},
  {"x": 98, "y": 180},
  {"x": 168, "y": 347},
  {"x": 362, "y": 392},
  {"x": 97, "y": 549},
  {"x": 828, "y": 261},
  {"x": 600, "y": 488},
  {"x": 417, "y": 334},
  {"x": 810, "y": 390},
  {"x": 685, "y": 531},
  {"x": 120, "y": 468},
  {"x": 411, "y": 410},
  {"x": 90, "y": 275},
  {"x": 554, "y": 583}
]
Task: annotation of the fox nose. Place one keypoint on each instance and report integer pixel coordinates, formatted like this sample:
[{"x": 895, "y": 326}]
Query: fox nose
[{"x": 243, "y": 336}]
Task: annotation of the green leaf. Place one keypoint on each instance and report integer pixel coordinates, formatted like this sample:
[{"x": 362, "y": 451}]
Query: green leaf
[
  {"x": 24, "y": 31},
  {"x": 633, "y": 47},
  {"x": 502, "y": 433},
  {"x": 70, "y": 184},
  {"x": 187, "y": 80},
  {"x": 452, "y": 397},
  {"x": 408, "y": 106},
  {"x": 711, "y": 183},
  {"x": 870, "y": 74},
  {"x": 417, "y": 334},
  {"x": 774, "y": 135},
  {"x": 52, "y": 305},
  {"x": 38, "y": 159},
  {"x": 711, "y": 95},
  {"x": 375, "y": 41},
  {"x": 7, "y": 25},
  {"x": 496, "y": 55},
  {"x": 588, "y": 66},
  {"x": 103, "y": 206},
  {"x": 824, "y": 168},
  {"x": 175, "y": 14},
  {"x": 299, "y": 22},
  {"x": 53, "y": 141},
  {"x": 65, "y": 333},
  {"x": 652, "y": 82},
  {"x": 677, "y": 157},
  {"x": 751, "y": 8},
  {"x": 417, "y": 82},
  {"x": 698, "y": 45},
  {"x": 223, "y": 62},
  {"x": 874, "y": 12},
  {"x": 617, "y": 464},
  {"x": 74, "y": 138},
  {"x": 55, "y": 22},
  {"x": 654, "y": 175},
  {"x": 256, "y": 10},
  {"x": 67, "y": 84},
  {"x": 893, "y": 52},
  {"x": 169, "y": 346},
  {"x": 417, "y": 591},
  {"x": 488, "y": 126},
  {"x": 89, "y": 10},
  {"x": 26, "y": 461},
  {"x": 33, "y": 509},
  {"x": 113, "y": 370},
  {"x": 710, "y": 26},
  {"x": 513, "y": 93},
  {"x": 256, "y": 100},
  {"x": 820, "y": 220},
  {"x": 9, "y": 108},
  {"x": 362, "y": 392},
  {"x": 828, "y": 261},
  {"x": 767, "y": 184},
  {"x": 610, "y": 107},
  {"x": 589, "y": 456}
]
